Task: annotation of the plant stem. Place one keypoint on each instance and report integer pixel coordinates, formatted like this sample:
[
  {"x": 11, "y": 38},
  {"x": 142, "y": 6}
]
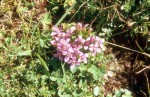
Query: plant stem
[
  {"x": 64, "y": 73},
  {"x": 143, "y": 53},
  {"x": 77, "y": 10},
  {"x": 62, "y": 18}
]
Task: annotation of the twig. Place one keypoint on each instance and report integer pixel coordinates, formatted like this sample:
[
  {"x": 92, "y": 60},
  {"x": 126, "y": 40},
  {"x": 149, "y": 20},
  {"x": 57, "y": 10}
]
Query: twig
[
  {"x": 143, "y": 53},
  {"x": 139, "y": 46},
  {"x": 147, "y": 67},
  {"x": 121, "y": 17},
  {"x": 77, "y": 10},
  {"x": 94, "y": 20},
  {"x": 147, "y": 81},
  {"x": 139, "y": 12},
  {"x": 107, "y": 7}
]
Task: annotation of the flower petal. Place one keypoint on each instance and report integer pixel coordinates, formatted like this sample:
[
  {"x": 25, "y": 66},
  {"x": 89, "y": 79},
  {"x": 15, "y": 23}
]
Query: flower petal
[
  {"x": 66, "y": 59},
  {"x": 70, "y": 50},
  {"x": 85, "y": 47}
]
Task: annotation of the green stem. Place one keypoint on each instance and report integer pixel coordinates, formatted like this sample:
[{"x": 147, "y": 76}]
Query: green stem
[
  {"x": 78, "y": 10},
  {"x": 64, "y": 74},
  {"x": 62, "y": 18}
]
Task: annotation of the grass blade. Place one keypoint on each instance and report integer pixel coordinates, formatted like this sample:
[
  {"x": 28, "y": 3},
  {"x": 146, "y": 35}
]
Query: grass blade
[{"x": 42, "y": 62}]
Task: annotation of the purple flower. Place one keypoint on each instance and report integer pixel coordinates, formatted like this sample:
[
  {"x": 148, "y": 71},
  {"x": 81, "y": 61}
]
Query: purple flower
[
  {"x": 75, "y": 46},
  {"x": 79, "y": 26},
  {"x": 72, "y": 51},
  {"x": 55, "y": 29},
  {"x": 83, "y": 58},
  {"x": 66, "y": 59},
  {"x": 79, "y": 40}
]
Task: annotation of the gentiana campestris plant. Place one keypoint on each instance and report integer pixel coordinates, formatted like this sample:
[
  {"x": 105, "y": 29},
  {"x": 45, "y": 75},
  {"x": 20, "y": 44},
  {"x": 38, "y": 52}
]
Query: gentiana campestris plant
[{"x": 72, "y": 46}]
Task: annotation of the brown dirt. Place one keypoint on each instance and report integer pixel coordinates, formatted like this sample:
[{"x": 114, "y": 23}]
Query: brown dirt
[{"x": 134, "y": 68}]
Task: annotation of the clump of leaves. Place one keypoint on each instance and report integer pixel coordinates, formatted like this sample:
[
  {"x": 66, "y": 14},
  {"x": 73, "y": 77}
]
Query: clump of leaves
[{"x": 121, "y": 93}]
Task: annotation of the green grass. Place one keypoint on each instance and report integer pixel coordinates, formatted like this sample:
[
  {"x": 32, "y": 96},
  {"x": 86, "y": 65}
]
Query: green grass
[{"x": 27, "y": 67}]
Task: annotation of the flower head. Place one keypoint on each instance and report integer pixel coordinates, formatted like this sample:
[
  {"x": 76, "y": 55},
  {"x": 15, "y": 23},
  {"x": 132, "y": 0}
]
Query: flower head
[{"x": 75, "y": 51}]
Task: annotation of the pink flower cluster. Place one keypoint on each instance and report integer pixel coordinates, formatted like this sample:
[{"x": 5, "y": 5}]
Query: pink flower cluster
[{"x": 75, "y": 51}]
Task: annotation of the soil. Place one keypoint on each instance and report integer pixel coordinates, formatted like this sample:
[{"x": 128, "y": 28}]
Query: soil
[{"x": 134, "y": 68}]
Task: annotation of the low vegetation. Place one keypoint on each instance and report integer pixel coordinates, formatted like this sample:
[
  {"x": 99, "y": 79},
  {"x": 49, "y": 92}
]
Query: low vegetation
[{"x": 74, "y": 48}]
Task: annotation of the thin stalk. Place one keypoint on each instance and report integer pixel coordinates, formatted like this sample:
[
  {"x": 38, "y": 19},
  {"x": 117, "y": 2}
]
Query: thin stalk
[
  {"x": 39, "y": 35},
  {"x": 63, "y": 17},
  {"x": 77, "y": 10},
  {"x": 143, "y": 53},
  {"x": 64, "y": 73},
  {"x": 139, "y": 46}
]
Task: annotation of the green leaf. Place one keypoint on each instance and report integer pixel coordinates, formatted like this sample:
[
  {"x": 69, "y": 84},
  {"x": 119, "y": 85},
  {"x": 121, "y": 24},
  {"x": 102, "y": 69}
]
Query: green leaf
[
  {"x": 22, "y": 9},
  {"x": 96, "y": 91},
  {"x": 24, "y": 53},
  {"x": 94, "y": 71},
  {"x": 42, "y": 62},
  {"x": 47, "y": 19},
  {"x": 75, "y": 69},
  {"x": 1, "y": 35},
  {"x": 18, "y": 67},
  {"x": 53, "y": 78},
  {"x": 41, "y": 42},
  {"x": 67, "y": 95},
  {"x": 96, "y": 77},
  {"x": 109, "y": 95},
  {"x": 80, "y": 83},
  {"x": 76, "y": 94},
  {"x": 2, "y": 89}
]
